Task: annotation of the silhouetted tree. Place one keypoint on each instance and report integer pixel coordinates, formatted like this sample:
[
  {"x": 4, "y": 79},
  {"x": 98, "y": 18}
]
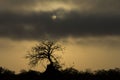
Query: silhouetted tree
[{"x": 45, "y": 50}]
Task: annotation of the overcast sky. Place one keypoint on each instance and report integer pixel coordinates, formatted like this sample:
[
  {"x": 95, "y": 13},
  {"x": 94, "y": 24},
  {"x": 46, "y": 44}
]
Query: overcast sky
[{"x": 92, "y": 26}]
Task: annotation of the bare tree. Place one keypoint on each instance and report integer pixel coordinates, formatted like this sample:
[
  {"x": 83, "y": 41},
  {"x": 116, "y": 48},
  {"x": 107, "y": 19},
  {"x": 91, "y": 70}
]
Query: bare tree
[{"x": 45, "y": 50}]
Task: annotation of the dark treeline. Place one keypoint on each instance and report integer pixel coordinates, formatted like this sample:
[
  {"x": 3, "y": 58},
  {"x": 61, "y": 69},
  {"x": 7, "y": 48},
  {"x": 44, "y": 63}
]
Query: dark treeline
[{"x": 66, "y": 74}]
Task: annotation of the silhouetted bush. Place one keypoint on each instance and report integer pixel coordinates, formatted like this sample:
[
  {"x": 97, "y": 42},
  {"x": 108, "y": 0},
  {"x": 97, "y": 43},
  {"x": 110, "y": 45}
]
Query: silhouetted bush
[
  {"x": 111, "y": 74},
  {"x": 28, "y": 75},
  {"x": 6, "y": 74}
]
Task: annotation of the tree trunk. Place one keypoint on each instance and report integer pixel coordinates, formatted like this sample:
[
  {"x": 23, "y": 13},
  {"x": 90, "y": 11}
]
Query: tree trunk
[{"x": 50, "y": 60}]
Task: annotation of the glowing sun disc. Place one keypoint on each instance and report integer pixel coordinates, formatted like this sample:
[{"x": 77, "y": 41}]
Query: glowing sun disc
[{"x": 54, "y": 17}]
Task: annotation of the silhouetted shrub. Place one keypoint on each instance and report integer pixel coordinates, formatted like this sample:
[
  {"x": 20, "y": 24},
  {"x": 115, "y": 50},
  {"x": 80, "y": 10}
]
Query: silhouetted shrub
[
  {"x": 6, "y": 74},
  {"x": 28, "y": 75}
]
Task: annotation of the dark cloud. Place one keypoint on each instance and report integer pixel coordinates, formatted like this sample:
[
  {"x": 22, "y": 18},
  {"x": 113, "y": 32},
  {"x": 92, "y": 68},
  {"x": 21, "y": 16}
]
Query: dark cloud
[
  {"x": 38, "y": 25},
  {"x": 83, "y": 6},
  {"x": 27, "y": 6},
  {"x": 32, "y": 19}
]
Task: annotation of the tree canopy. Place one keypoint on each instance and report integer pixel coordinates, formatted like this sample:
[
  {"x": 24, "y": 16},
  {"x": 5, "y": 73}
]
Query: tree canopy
[{"x": 44, "y": 51}]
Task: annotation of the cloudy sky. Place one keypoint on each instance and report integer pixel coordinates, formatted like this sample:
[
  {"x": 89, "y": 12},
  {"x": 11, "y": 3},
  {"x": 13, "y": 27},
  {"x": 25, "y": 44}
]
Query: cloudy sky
[{"x": 89, "y": 29}]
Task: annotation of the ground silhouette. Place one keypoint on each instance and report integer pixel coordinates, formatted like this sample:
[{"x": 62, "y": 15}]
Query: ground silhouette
[{"x": 66, "y": 74}]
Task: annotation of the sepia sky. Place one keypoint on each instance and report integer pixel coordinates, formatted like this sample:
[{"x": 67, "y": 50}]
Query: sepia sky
[{"x": 89, "y": 30}]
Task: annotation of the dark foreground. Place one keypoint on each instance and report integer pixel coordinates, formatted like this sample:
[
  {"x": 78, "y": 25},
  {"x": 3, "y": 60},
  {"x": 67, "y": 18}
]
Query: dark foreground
[{"x": 67, "y": 74}]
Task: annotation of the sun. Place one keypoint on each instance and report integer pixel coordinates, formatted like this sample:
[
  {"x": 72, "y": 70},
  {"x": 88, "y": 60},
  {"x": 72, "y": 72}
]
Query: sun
[{"x": 54, "y": 17}]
